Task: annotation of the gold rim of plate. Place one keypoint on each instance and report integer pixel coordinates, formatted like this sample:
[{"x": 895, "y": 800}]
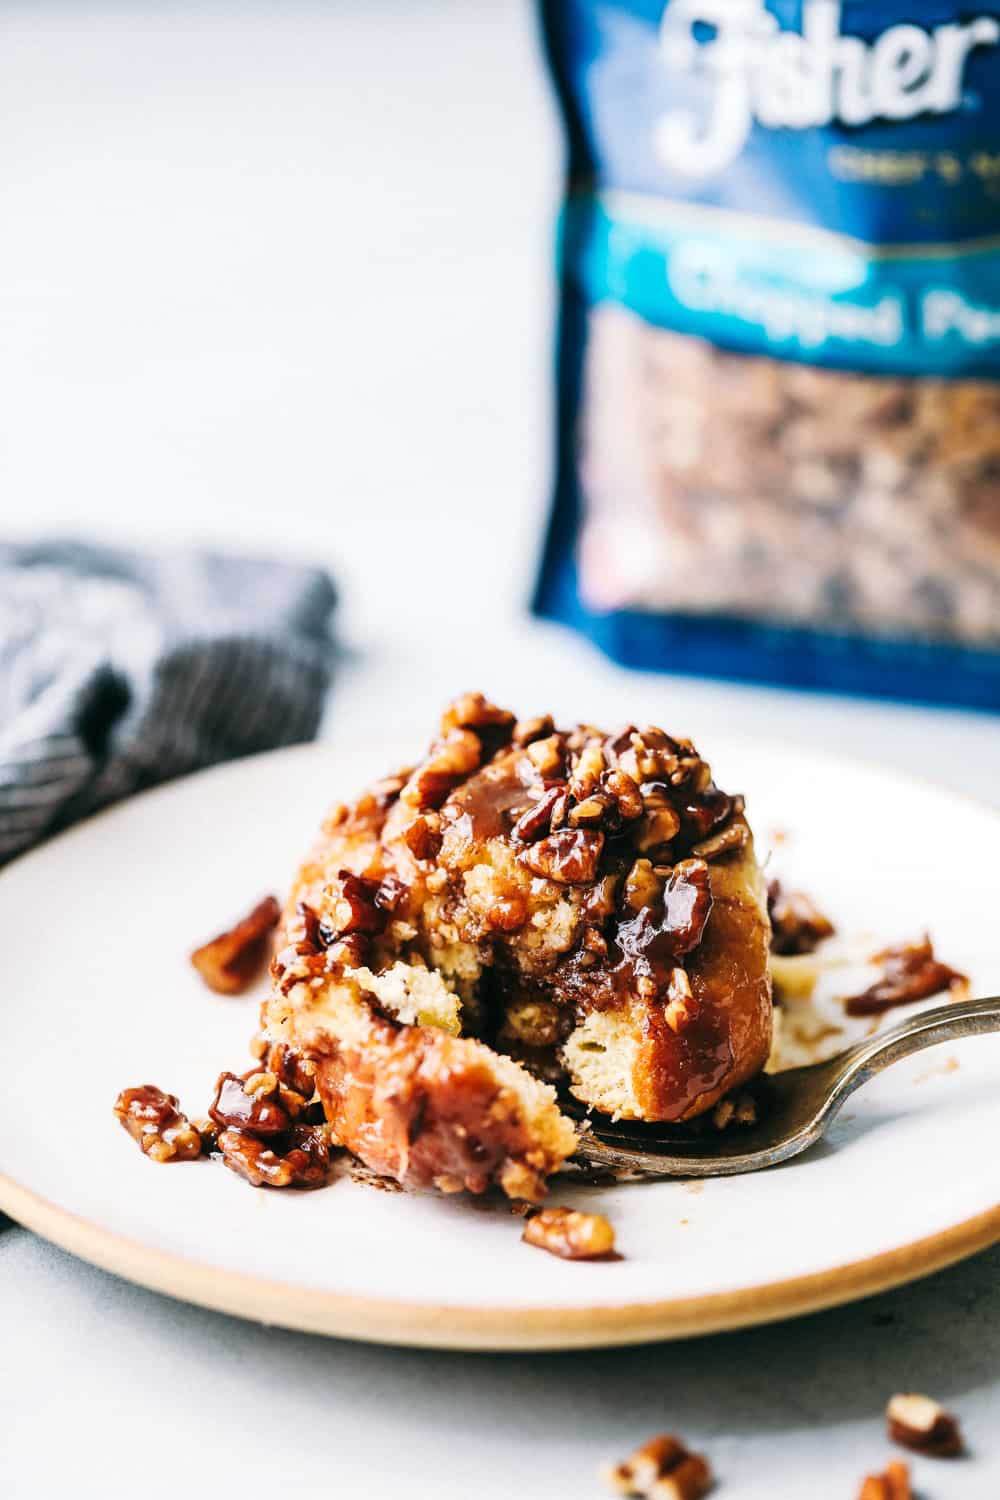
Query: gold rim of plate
[{"x": 443, "y": 1326}]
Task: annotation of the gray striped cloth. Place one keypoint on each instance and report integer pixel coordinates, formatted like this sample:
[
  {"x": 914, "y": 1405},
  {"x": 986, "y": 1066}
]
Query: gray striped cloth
[{"x": 120, "y": 670}]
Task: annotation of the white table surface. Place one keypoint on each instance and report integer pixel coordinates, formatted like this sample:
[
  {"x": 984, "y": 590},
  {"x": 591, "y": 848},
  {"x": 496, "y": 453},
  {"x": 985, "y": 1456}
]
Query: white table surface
[{"x": 278, "y": 276}]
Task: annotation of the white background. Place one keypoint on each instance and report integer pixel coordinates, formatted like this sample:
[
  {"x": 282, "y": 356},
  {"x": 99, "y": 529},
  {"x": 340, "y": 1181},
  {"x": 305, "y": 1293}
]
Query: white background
[{"x": 278, "y": 276}]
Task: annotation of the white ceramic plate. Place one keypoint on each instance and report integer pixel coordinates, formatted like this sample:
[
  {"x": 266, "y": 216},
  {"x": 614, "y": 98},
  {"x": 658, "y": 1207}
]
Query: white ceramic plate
[{"x": 96, "y": 993}]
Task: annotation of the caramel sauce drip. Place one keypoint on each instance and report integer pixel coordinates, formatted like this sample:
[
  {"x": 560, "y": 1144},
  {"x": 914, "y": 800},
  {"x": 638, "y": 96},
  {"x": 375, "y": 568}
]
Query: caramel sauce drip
[{"x": 486, "y": 806}]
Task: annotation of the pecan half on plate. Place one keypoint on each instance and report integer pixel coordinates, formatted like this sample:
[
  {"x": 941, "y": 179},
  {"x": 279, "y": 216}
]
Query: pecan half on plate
[{"x": 232, "y": 961}]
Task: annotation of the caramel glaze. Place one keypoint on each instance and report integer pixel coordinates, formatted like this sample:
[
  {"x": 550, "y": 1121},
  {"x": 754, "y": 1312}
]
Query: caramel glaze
[
  {"x": 676, "y": 1071},
  {"x": 731, "y": 1037},
  {"x": 490, "y": 803},
  {"x": 680, "y": 1074}
]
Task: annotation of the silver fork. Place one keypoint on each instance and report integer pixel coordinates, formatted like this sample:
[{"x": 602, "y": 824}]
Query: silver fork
[{"x": 798, "y": 1105}]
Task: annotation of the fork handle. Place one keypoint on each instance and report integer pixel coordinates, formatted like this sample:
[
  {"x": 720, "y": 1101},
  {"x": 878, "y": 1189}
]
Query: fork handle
[{"x": 945, "y": 1023}]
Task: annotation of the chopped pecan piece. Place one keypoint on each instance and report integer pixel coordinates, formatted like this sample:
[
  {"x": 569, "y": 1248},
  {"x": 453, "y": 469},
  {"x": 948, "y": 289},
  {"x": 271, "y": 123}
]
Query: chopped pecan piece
[
  {"x": 526, "y": 730},
  {"x": 304, "y": 929},
  {"x": 892, "y": 1484},
  {"x": 660, "y": 825},
  {"x": 581, "y": 735},
  {"x": 351, "y": 952},
  {"x": 595, "y": 942},
  {"x": 423, "y": 836},
  {"x": 391, "y": 895},
  {"x": 620, "y": 744},
  {"x": 569, "y": 856},
  {"x": 209, "y": 1132},
  {"x": 590, "y": 812},
  {"x": 560, "y": 810},
  {"x": 797, "y": 924},
  {"x": 643, "y": 886},
  {"x": 602, "y": 900},
  {"x": 152, "y": 1118},
  {"x": 351, "y": 906},
  {"x": 232, "y": 961},
  {"x": 519, "y": 1180},
  {"x": 253, "y": 1103},
  {"x": 920, "y": 1423},
  {"x": 570, "y": 1234},
  {"x": 659, "y": 934},
  {"x": 706, "y": 811},
  {"x": 625, "y": 792},
  {"x": 475, "y": 711},
  {"x": 453, "y": 757},
  {"x": 386, "y": 791},
  {"x": 508, "y": 914},
  {"x": 338, "y": 814},
  {"x": 300, "y": 1158},
  {"x": 662, "y": 1469},
  {"x": 681, "y": 1007},
  {"x": 687, "y": 901},
  {"x": 538, "y": 818},
  {"x": 588, "y": 768},
  {"x": 735, "y": 1109},
  {"x": 653, "y": 753},
  {"x": 693, "y": 774},
  {"x": 910, "y": 972},
  {"x": 724, "y": 841},
  {"x": 547, "y": 756}
]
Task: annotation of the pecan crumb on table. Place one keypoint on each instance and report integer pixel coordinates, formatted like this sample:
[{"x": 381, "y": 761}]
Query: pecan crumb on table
[
  {"x": 921, "y": 1423},
  {"x": 153, "y": 1119},
  {"x": 892, "y": 1484},
  {"x": 232, "y": 961},
  {"x": 662, "y": 1469},
  {"x": 570, "y": 1234}
]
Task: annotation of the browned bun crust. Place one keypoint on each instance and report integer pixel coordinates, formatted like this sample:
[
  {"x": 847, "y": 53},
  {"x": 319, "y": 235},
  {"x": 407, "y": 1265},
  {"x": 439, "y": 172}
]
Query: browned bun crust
[
  {"x": 729, "y": 978},
  {"x": 433, "y": 1110}
]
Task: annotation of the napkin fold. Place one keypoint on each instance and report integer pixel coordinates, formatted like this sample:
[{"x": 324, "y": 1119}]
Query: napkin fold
[{"x": 119, "y": 670}]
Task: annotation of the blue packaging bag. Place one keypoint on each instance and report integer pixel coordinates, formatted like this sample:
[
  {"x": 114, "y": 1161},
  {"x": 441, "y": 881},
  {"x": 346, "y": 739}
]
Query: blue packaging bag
[{"x": 779, "y": 349}]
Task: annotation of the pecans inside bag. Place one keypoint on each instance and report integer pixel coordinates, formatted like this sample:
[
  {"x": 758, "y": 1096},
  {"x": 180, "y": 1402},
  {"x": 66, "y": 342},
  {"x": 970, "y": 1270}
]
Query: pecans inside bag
[
  {"x": 716, "y": 482},
  {"x": 779, "y": 341}
]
